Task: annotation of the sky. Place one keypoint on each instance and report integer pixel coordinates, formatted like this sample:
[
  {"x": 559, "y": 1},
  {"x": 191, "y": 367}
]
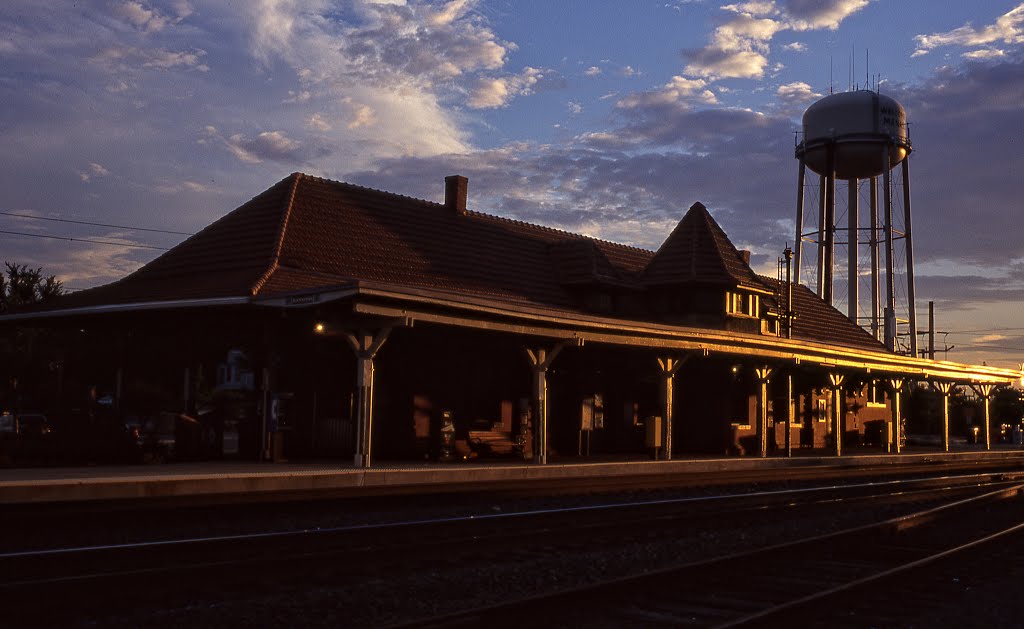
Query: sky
[{"x": 601, "y": 117}]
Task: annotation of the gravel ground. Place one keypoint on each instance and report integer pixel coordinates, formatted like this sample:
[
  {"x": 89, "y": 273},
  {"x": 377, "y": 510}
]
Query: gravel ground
[{"x": 356, "y": 599}]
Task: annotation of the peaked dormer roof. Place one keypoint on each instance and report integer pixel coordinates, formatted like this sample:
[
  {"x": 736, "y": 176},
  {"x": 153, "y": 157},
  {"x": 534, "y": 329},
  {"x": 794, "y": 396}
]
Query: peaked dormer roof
[
  {"x": 580, "y": 262},
  {"x": 698, "y": 252}
]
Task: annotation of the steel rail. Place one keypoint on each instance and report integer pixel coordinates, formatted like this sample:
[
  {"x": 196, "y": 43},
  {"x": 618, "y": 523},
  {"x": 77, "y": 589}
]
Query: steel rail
[
  {"x": 473, "y": 537},
  {"x": 233, "y": 570},
  {"x": 482, "y": 517},
  {"x": 874, "y": 578},
  {"x": 538, "y": 605}
]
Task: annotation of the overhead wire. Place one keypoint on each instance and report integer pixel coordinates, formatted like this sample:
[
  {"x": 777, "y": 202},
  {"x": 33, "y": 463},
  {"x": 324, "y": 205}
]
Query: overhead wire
[
  {"x": 68, "y": 220},
  {"x": 88, "y": 240}
]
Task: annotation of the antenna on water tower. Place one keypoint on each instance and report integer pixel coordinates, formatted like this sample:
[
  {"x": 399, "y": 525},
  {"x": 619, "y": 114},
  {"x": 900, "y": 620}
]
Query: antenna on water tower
[{"x": 860, "y": 137}]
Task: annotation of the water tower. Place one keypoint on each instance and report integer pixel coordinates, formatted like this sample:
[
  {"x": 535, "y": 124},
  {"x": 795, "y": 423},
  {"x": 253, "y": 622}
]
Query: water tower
[{"x": 859, "y": 137}]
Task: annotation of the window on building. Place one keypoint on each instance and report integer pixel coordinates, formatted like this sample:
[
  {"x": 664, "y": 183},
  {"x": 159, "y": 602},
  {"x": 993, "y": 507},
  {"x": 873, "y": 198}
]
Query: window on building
[
  {"x": 876, "y": 393},
  {"x": 742, "y": 304}
]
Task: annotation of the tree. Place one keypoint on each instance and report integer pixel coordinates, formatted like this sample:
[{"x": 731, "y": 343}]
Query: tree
[
  {"x": 22, "y": 349},
  {"x": 23, "y": 286}
]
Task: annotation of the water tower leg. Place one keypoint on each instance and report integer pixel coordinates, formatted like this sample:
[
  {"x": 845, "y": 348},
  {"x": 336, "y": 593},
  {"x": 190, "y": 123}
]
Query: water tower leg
[
  {"x": 890, "y": 290},
  {"x": 830, "y": 228},
  {"x": 798, "y": 242},
  {"x": 852, "y": 250},
  {"x": 821, "y": 235},
  {"x": 909, "y": 242},
  {"x": 873, "y": 242}
]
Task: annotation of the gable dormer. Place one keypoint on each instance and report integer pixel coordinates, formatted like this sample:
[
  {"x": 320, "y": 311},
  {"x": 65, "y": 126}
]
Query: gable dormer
[
  {"x": 698, "y": 276},
  {"x": 585, "y": 271}
]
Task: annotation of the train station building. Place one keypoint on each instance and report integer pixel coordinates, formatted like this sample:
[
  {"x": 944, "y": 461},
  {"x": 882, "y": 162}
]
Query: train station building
[{"x": 328, "y": 319}]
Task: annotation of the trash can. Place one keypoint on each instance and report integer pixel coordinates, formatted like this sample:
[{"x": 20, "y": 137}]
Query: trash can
[{"x": 277, "y": 447}]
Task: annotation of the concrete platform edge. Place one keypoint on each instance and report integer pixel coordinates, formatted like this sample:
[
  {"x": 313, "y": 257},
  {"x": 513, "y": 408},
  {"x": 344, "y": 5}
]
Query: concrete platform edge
[{"x": 143, "y": 483}]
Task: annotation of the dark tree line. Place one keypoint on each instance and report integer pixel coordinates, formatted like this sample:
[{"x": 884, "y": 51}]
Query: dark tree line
[
  {"x": 24, "y": 352},
  {"x": 22, "y": 286}
]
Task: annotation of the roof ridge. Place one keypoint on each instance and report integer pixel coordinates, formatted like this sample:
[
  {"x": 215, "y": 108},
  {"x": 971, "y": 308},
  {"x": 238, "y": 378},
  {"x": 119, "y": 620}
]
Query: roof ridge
[
  {"x": 388, "y": 193},
  {"x": 475, "y": 213},
  {"x": 558, "y": 230},
  {"x": 280, "y": 236}
]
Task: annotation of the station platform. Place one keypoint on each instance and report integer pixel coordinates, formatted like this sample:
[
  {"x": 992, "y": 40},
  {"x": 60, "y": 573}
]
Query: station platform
[{"x": 224, "y": 478}]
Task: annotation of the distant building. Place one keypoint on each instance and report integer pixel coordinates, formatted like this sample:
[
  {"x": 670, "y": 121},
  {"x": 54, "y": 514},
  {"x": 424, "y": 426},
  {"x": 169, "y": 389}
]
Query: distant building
[{"x": 386, "y": 315}]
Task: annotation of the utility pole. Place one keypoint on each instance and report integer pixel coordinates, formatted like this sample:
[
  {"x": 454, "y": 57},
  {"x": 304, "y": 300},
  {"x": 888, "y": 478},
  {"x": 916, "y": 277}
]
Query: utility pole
[{"x": 931, "y": 330}]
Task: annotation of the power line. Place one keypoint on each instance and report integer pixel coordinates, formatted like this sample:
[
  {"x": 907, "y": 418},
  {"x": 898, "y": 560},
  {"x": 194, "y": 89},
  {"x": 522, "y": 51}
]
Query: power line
[
  {"x": 68, "y": 220},
  {"x": 989, "y": 348},
  {"x": 982, "y": 331},
  {"x": 96, "y": 242}
]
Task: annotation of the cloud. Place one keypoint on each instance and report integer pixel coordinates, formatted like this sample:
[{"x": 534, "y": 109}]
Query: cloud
[
  {"x": 739, "y": 47},
  {"x": 754, "y": 7},
  {"x": 796, "y": 93},
  {"x": 805, "y": 15},
  {"x": 125, "y": 59},
  {"x": 985, "y": 53},
  {"x": 362, "y": 116},
  {"x": 150, "y": 20},
  {"x": 319, "y": 122},
  {"x": 574, "y": 108},
  {"x": 182, "y": 186},
  {"x": 409, "y": 65},
  {"x": 266, "y": 145},
  {"x": 680, "y": 91},
  {"x": 386, "y": 44},
  {"x": 677, "y": 5},
  {"x": 490, "y": 93},
  {"x": 592, "y": 71},
  {"x": 1008, "y": 29},
  {"x": 142, "y": 17},
  {"x": 94, "y": 170},
  {"x": 796, "y": 47}
]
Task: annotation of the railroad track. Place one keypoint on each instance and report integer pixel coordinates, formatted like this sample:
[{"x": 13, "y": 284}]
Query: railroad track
[
  {"x": 798, "y": 583},
  {"x": 181, "y": 572}
]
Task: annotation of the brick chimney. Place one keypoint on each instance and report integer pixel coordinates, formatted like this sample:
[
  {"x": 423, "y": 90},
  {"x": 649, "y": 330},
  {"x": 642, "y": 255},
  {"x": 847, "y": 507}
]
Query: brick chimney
[
  {"x": 745, "y": 256},
  {"x": 456, "y": 189}
]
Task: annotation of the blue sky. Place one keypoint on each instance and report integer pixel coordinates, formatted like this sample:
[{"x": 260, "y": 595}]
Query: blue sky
[{"x": 609, "y": 118}]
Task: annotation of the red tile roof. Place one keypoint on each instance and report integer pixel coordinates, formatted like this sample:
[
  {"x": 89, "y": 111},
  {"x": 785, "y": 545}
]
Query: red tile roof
[
  {"x": 819, "y": 322},
  {"x": 307, "y": 233},
  {"x": 698, "y": 251}
]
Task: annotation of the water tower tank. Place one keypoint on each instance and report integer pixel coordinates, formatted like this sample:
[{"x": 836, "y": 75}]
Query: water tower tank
[{"x": 860, "y": 127}]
